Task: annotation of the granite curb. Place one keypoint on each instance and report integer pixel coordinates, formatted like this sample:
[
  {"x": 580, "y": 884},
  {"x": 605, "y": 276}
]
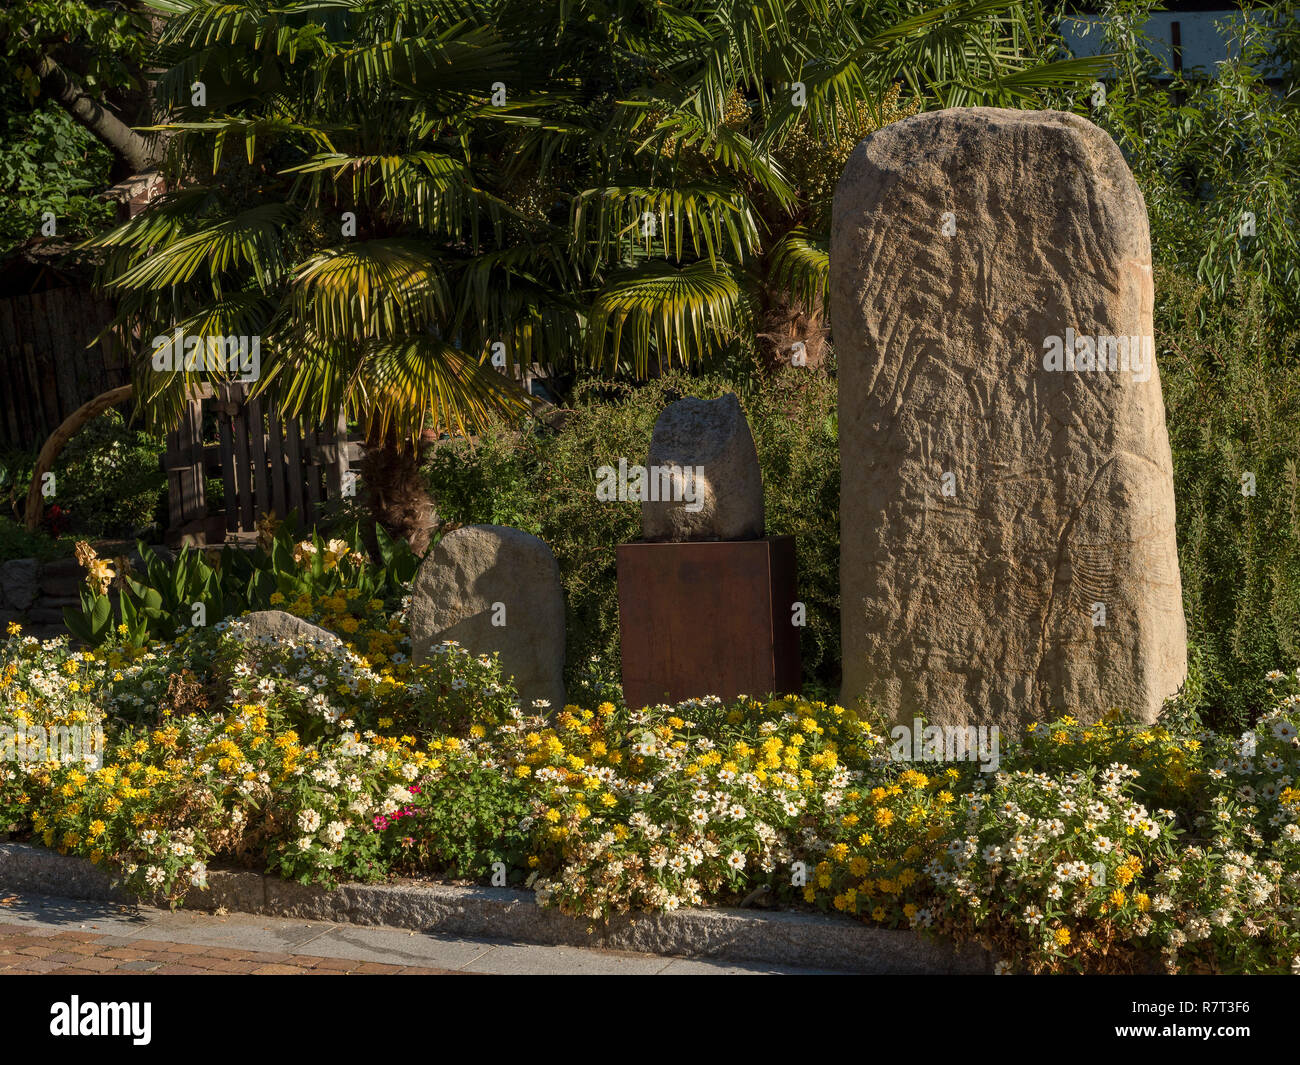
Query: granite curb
[{"x": 776, "y": 937}]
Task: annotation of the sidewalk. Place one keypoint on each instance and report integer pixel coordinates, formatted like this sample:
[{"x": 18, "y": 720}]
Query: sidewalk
[{"x": 45, "y": 934}]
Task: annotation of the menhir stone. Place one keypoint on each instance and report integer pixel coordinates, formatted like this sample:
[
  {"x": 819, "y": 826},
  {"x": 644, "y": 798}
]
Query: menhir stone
[
  {"x": 1007, "y": 506},
  {"x": 703, "y": 470},
  {"x": 494, "y": 589}
]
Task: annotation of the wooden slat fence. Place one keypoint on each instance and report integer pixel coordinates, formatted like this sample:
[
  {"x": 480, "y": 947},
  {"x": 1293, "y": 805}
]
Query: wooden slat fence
[
  {"x": 267, "y": 464},
  {"x": 46, "y": 369}
]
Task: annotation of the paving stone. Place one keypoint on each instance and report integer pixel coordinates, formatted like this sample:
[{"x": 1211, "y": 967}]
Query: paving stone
[
  {"x": 126, "y": 953},
  {"x": 223, "y": 965},
  {"x": 525, "y": 960},
  {"x": 390, "y": 945}
]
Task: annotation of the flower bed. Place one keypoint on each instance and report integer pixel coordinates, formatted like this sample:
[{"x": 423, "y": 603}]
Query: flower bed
[{"x": 1093, "y": 847}]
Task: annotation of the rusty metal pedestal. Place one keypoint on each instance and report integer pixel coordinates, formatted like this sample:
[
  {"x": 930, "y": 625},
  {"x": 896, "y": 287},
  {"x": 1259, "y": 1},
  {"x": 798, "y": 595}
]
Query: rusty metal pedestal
[{"x": 711, "y": 618}]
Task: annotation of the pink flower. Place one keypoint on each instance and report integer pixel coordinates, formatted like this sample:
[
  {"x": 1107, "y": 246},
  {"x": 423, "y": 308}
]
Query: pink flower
[{"x": 380, "y": 822}]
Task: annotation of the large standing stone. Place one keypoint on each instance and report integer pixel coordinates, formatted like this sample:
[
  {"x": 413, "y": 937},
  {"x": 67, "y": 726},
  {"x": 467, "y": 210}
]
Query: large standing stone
[
  {"x": 992, "y": 508},
  {"x": 491, "y": 588},
  {"x": 722, "y": 497}
]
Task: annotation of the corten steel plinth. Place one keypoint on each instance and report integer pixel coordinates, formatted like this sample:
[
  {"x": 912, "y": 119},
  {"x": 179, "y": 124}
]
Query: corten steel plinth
[{"x": 707, "y": 618}]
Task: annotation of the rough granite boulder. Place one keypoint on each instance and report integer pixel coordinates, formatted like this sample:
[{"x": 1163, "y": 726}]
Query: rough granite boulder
[
  {"x": 19, "y": 583},
  {"x": 491, "y": 588},
  {"x": 276, "y": 626},
  {"x": 1007, "y": 505},
  {"x": 703, "y": 453}
]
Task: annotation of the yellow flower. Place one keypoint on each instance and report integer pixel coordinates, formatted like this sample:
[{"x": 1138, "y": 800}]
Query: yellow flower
[
  {"x": 99, "y": 574},
  {"x": 335, "y": 550},
  {"x": 1062, "y": 936}
]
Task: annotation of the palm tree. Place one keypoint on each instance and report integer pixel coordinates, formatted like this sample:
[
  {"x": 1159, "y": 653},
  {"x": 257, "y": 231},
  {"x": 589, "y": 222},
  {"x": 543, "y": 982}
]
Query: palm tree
[{"x": 391, "y": 192}]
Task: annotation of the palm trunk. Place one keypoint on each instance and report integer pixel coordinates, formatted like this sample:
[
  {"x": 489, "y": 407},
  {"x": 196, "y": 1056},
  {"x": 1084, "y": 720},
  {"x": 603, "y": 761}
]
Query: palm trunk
[
  {"x": 783, "y": 322},
  {"x": 782, "y": 319},
  {"x": 395, "y": 491}
]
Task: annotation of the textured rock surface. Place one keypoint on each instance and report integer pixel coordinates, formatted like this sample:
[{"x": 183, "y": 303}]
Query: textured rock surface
[
  {"x": 988, "y": 503},
  {"x": 457, "y": 589},
  {"x": 711, "y": 437},
  {"x": 19, "y": 583},
  {"x": 273, "y": 626}
]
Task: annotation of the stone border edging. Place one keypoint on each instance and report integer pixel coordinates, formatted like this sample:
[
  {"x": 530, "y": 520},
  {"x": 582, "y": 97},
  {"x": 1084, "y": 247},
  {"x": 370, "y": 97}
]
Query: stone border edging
[{"x": 780, "y": 937}]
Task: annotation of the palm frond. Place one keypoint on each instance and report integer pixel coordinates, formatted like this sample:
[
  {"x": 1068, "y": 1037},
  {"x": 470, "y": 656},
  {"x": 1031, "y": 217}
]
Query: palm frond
[
  {"x": 699, "y": 218},
  {"x": 371, "y": 289},
  {"x": 250, "y": 239},
  {"x": 686, "y": 312},
  {"x": 802, "y": 263},
  {"x": 391, "y": 385},
  {"x": 437, "y": 192}
]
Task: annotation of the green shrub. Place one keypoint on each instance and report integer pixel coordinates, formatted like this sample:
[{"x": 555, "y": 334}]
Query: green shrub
[
  {"x": 109, "y": 480},
  {"x": 17, "y": 542},
  {"x": 1232, "y": 390},
  {"x": 49, "y": 163},
  {"x": 1209, "y": 151},
  {"x": 544, "y": 483},
  {"x": 469, "y": 824}
]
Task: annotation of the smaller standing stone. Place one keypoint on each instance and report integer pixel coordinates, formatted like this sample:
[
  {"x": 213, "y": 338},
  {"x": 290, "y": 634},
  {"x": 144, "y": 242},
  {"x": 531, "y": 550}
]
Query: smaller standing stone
[
  {"x": 494, "y": 589},
  {"x": 704, "y": 447}
]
